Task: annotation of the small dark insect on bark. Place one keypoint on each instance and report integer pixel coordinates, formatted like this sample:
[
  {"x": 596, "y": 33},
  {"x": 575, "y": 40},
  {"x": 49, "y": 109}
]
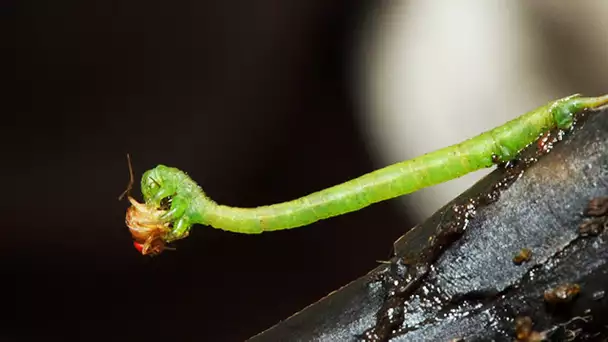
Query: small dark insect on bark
[
  {"x": 562, "y": 293},
  {"x": 597, "y": 207},
  {"x": 524, "y": 332},
  {"x": 524, "y": 255},
  {"x": 593, "y": 227}
]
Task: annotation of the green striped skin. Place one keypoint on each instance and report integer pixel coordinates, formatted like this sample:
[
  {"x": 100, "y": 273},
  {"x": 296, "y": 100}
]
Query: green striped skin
[{"x": 190, "y": 205}]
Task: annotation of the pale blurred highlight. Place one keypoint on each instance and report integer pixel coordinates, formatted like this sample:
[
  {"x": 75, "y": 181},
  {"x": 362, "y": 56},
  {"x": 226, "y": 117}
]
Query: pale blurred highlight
[{"x": 433, "y": 73}]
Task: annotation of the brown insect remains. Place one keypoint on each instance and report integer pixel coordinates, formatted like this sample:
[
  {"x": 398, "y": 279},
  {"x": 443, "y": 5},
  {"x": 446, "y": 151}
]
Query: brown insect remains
[
  {"x": 146, "y": 227},
  {"x": 144, "y": 222}
]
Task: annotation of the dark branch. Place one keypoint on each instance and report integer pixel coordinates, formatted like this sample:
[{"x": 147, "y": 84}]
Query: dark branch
[{"x": 454, "y": 276}]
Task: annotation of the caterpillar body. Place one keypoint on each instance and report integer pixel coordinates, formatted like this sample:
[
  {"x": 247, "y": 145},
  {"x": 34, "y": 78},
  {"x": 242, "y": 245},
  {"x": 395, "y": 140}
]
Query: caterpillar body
[{"x": 188, "y": 204}]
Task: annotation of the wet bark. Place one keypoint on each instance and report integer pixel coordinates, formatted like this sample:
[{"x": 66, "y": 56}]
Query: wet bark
[{"x": 454, "y": 276}]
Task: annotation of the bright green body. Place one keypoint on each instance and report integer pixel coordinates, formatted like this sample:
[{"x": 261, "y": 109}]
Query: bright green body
[{"x": 190, "y": 205}]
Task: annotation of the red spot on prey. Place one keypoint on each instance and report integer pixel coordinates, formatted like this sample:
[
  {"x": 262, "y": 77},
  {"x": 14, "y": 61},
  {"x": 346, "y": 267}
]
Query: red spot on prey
[{"x": 138, "y": 246}]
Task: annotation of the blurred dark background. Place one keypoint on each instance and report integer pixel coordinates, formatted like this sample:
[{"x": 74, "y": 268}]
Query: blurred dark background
[
  {"x": 259, "y": 102},
  {"x": 252, "y": 99}
]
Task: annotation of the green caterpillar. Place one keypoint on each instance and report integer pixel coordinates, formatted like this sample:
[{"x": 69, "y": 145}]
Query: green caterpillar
[{"x": 174, "y": 202}]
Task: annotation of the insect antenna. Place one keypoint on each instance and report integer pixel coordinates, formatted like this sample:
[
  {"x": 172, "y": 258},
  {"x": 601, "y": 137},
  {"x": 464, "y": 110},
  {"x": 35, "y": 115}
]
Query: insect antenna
[{"x": 131, "y": 180}]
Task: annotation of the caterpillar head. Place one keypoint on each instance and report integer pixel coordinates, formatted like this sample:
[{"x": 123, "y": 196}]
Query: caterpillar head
[
  {"x": 158, "y": 184},
  {"x": 151, "y": 223}
]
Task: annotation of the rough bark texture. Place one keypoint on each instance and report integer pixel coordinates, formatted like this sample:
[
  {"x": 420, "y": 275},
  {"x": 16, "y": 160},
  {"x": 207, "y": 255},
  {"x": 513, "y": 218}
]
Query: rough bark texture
[{"x": 453, "y": 277}]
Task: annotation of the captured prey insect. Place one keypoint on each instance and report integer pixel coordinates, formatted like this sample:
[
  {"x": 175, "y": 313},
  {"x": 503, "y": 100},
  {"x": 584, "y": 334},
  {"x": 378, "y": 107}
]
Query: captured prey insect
[
  {"x": 144, "y": 222},
  {"x": 173, "y": 202}
]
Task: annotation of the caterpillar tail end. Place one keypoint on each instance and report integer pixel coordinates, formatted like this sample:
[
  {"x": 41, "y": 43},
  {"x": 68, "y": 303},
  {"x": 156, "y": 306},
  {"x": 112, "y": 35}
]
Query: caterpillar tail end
[
  {"x": 565, "y": 109},
  {"x": 593, "y": 102}
]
